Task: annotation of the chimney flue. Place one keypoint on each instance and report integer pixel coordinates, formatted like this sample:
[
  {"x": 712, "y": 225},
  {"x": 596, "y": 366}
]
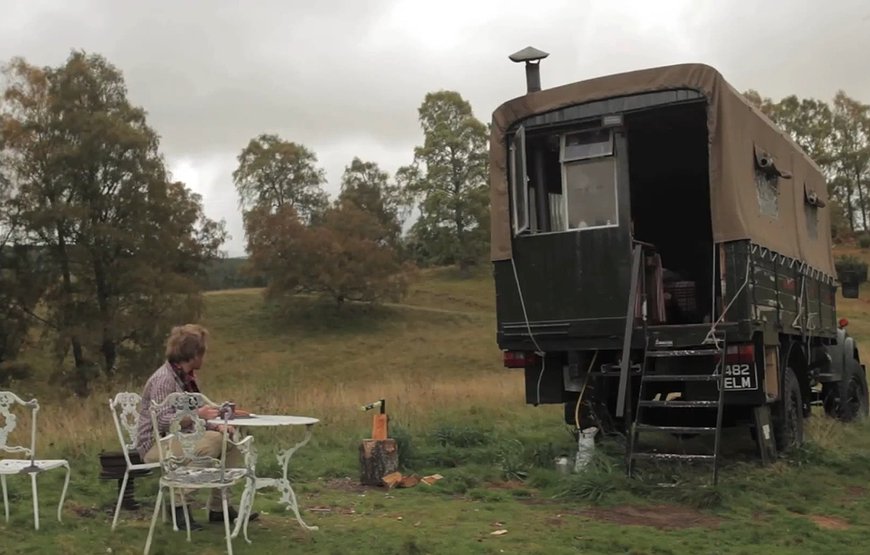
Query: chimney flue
[{"x": 531, "y": 56}]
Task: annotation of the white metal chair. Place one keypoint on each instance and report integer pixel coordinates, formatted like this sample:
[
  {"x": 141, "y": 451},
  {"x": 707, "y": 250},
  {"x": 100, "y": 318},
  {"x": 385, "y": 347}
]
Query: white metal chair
[
  {"x": 189, "y": 470},
  {"x": 29, "y": 465},
  {"x": 125, "y": 411}
]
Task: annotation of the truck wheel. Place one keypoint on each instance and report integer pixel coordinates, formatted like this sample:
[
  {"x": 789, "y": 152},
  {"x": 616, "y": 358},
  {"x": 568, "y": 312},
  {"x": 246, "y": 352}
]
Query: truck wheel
[
  {"x": 788, "y": 425},
  {"x": 847, "y": 399}
]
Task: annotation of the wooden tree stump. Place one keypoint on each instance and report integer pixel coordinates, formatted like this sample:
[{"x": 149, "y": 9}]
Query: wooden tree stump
[{"x": 377, "y": 458}]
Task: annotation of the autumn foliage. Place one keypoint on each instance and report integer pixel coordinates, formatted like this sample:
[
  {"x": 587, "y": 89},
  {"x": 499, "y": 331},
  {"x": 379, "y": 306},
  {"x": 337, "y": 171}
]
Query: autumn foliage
[
  {"x": 117, "y": 246},
  {"x": 343, "y": 256}
]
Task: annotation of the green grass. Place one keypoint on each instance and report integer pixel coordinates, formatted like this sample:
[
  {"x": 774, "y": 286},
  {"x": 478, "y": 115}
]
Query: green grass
[{"x": 457, "y": 412}]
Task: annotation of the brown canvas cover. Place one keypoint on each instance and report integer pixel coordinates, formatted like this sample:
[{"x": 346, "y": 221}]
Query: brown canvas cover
[{"x": 737, "y": 131}]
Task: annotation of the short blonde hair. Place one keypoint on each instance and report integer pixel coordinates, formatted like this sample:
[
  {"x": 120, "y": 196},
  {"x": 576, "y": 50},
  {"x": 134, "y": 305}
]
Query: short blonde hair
[{"x": 186, "y": 342}]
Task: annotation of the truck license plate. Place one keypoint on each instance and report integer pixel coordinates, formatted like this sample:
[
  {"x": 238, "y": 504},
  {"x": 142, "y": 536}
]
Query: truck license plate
[{"x": 740, "y": 377}]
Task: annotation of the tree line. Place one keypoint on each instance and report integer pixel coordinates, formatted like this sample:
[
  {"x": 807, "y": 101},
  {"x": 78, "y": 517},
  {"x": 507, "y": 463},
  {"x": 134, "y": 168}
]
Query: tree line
[
  {"x": 101, "y": 250},
  {"x": 354, "y": 248}
]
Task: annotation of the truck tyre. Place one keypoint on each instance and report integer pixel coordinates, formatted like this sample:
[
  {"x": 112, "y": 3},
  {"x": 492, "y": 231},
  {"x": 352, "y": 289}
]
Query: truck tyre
[
  {"x": 788, "y": 425},
  {"x": 847, "y": 399}
]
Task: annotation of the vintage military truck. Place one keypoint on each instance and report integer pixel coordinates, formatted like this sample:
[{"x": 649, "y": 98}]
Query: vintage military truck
[{"x": 663, "y": 260}]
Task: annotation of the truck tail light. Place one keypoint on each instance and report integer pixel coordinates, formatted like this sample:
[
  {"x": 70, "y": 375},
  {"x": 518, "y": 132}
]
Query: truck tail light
[
  {"x": 737, "y": 354},
  {"x": 519, "y": 359}
]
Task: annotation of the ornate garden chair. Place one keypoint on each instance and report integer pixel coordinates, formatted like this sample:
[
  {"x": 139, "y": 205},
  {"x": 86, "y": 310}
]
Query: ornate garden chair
[
  {"x": 125, "y": 411},
  {"x": 189, "y": 471},
  {"x": 30, "y": 464}
]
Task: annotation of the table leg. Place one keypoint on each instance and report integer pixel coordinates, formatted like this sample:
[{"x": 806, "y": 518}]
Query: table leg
[
  {"x": 247, "y": 501},
  {"x": 245, "y": 505},
  {"x": 288, "y": 496}
]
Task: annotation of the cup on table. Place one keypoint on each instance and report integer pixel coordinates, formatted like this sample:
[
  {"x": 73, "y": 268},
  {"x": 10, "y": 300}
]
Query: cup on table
[{"x": 229, "y": 410}]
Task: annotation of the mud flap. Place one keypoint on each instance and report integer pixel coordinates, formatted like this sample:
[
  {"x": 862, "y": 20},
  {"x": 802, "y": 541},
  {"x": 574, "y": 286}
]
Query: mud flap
[{"x": 764, "y": 434}]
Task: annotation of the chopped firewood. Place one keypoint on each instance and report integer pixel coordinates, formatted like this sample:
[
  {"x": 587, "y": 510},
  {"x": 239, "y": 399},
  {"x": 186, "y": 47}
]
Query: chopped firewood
[
  {"x": 429, "y": 480},
  {"x": 391, "y": 479},
  {"x": 409, "y": 481}
]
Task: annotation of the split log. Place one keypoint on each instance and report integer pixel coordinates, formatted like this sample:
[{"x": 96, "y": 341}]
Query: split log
[
  {"x": 392, "y": 479},
  {"x": 377, "y": 458}
]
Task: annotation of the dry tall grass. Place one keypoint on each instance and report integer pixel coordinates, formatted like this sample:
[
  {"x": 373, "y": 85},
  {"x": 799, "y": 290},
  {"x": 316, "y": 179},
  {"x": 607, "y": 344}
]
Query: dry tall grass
[
  {"x": 312, "y": 360},
  {"x": 315, "y": 361}
]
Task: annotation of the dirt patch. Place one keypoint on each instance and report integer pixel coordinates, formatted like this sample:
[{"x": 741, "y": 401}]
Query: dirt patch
[
  {"x": 665, "y": 517},
  {"x": 829, "y": 522},
  {"x": 758, "y": 516},
  {"x": 541, "y": 501},
  {"x": 83, "y": 511},
  {"x": 855, "y": 492},
  {"x": 330, "y": 510},
  {"x": 350, "y": 485}
]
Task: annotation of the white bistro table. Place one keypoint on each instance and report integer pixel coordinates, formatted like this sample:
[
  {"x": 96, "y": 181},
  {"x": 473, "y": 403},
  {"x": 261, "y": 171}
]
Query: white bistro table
[{"x": 282, "y": 484}]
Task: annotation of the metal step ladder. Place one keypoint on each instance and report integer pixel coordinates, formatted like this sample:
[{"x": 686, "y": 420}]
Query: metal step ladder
[{"x": 716, "y": 347}]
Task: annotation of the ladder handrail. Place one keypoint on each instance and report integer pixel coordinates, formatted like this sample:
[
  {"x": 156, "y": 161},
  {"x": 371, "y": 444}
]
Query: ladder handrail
[
  {"x": 624, "y": 363},
  {"x": 720, "y": 367}
]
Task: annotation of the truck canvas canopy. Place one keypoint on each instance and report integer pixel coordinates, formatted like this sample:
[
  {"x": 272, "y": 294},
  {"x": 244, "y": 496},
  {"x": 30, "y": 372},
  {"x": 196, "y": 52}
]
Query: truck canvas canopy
[{"x": 763, "y": 187}]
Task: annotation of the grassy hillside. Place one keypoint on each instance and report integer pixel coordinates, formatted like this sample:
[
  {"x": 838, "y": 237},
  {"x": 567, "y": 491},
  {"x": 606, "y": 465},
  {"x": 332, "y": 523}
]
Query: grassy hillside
[{"x": 457, "y": 412}]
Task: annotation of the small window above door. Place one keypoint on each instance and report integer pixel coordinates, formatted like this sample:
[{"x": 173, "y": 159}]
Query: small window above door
[{"x": 585, "y": 145}]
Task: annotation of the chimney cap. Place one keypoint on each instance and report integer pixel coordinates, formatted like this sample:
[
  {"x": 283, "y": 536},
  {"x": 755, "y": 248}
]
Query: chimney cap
[{"x": 528, "y": 54}]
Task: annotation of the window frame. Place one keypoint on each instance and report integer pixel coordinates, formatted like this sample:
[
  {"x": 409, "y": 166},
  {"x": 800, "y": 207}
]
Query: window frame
[
  {"x": 564, "y": 162},
  {"x": 812, "y": 206},
  {"x": 563, "y": 140},
  {"x": 518, "y": 146},
  {"x": 522, "y": 223},
  {"x": 770, "y": 182}
]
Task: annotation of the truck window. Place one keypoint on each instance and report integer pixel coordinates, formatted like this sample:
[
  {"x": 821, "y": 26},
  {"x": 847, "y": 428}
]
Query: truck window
[
  {"x": 557, "y": 211},
  {"x": 519, "y": 182},
  {"x": 562, "y": 181},
  {"x": 591, "y": 193},
  {"x": 583, "y": 145},
  {"x": 589, "y": 178},
  {"x": 536, "y": 158},
  {"x": 767, "y": 189},
  {"x": 812, "y": 203},
  {"x": 767, "y": 176},
  {"x": 812, "y": 216}
]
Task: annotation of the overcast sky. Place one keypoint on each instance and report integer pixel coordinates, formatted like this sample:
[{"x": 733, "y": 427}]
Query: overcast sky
[{"x": 345, "y": 78}]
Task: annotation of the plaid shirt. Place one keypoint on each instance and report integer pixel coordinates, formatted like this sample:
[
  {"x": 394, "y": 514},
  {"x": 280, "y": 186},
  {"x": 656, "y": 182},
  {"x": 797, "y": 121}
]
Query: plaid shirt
[{"x": 161, "y": 383}]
